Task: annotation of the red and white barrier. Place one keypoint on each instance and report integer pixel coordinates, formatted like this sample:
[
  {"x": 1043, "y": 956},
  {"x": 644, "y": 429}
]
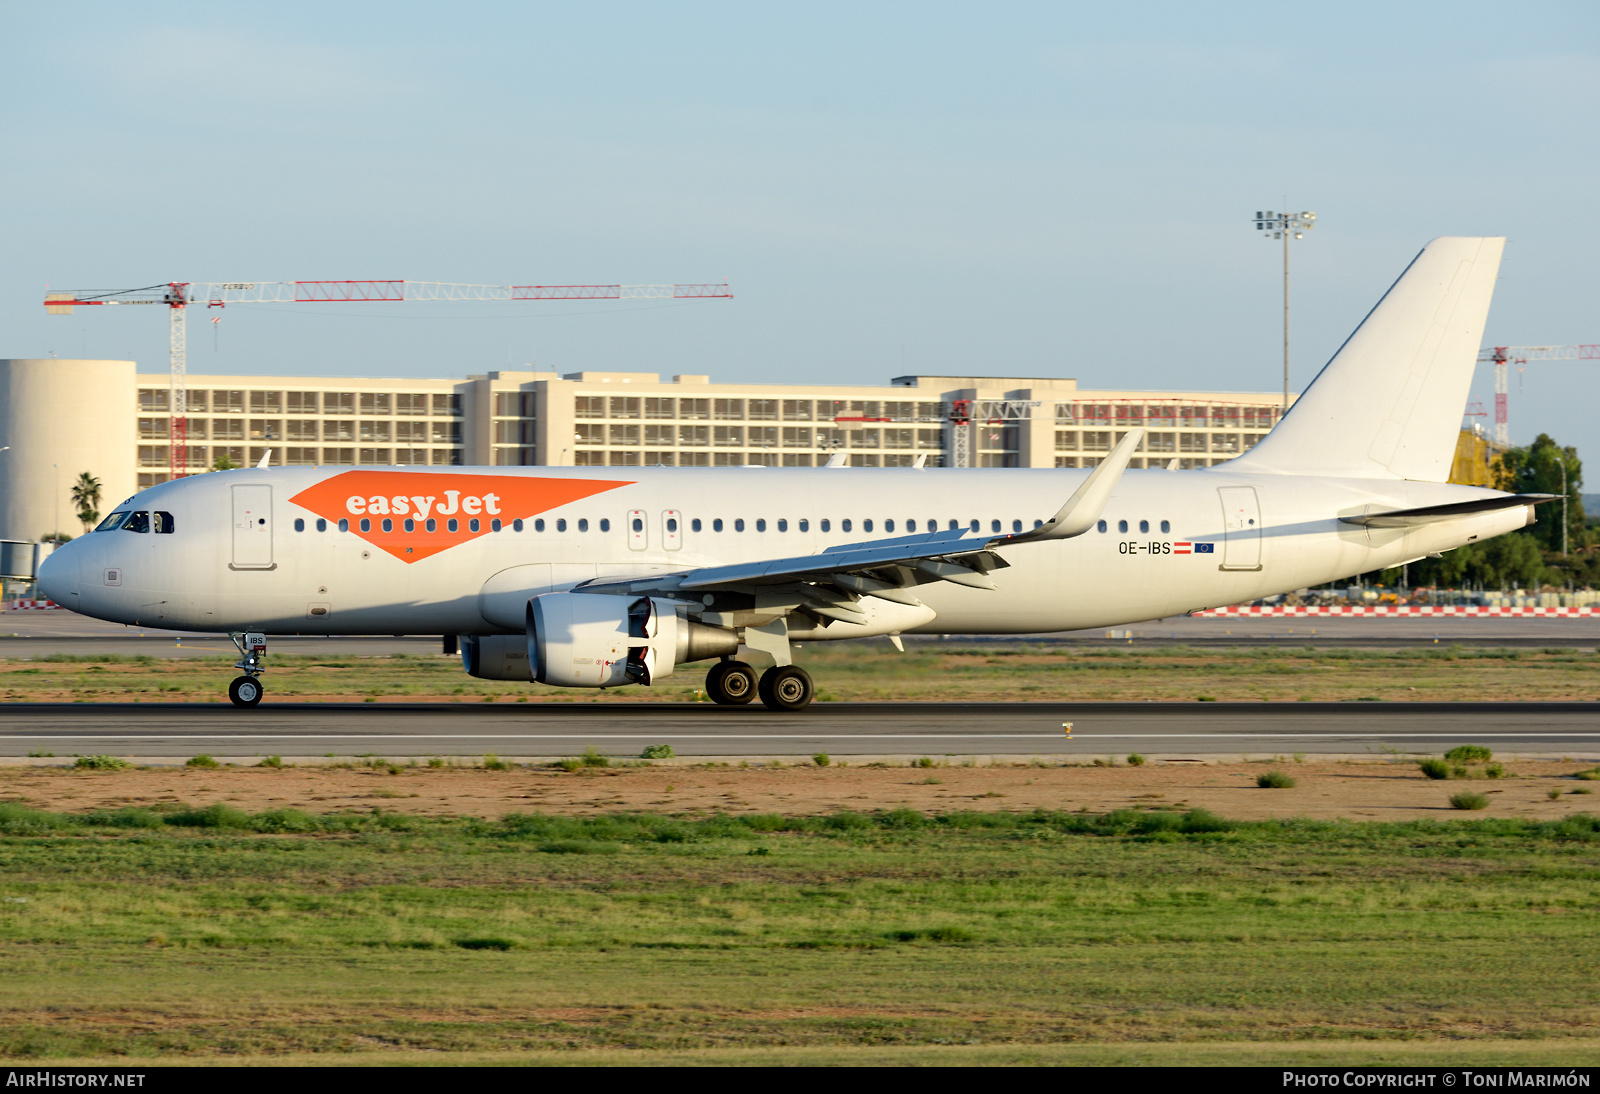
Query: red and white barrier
[
  {"x": 35, "y": 605},
  {"x": 1312, "y": 611}
]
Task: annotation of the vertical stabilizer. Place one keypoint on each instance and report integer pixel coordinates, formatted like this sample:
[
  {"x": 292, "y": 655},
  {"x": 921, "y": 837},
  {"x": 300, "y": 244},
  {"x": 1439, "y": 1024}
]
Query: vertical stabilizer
[{"x": 1389, "y": 404}]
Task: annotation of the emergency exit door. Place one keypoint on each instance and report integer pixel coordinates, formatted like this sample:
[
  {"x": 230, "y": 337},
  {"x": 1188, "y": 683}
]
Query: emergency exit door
[
  {"x": 252, "y": 527},
  {"x": 1241, "y": 519}
]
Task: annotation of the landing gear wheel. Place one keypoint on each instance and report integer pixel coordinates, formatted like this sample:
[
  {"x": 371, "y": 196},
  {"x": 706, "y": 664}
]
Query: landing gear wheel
[
  {"x": 731, "y": 683},
  {"x": 245, "y": 691},
  {"x": 787, "y": 687}
]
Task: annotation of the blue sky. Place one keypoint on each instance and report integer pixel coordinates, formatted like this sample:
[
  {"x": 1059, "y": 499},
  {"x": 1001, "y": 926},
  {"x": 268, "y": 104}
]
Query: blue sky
[{"x": 1054, "y": 190}]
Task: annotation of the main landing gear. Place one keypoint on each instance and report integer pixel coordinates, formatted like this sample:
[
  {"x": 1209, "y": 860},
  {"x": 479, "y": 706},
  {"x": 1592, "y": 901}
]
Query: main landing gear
[
  {"x": 783, "y": 687},
  {"x": 246, "y": 690}
]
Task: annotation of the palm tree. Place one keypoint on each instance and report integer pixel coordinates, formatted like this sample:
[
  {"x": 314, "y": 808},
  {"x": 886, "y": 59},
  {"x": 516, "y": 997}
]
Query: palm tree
[{"x": 86, "y": 498}]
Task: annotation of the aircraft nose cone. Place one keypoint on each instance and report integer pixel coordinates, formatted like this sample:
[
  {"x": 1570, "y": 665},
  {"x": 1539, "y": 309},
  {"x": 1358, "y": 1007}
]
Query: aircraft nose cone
[{"x": 60, "y": 576}]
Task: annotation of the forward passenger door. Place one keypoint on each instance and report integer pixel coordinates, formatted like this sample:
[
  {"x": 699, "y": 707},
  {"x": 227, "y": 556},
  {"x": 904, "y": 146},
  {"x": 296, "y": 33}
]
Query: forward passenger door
[{"x": 252, "y": 527}]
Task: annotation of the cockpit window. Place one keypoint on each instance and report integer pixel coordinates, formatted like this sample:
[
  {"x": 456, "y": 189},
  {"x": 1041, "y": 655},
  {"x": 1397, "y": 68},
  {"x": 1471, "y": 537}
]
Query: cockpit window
[
  {"x": 112, "y": 522},
  {"x": 137, "y": 522},
  {"x": 163, "y": 523}
]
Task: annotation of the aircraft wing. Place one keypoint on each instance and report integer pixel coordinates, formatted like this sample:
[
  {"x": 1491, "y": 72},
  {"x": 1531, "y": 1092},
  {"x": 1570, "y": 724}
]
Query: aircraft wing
[{"x": 889, "y": 568}]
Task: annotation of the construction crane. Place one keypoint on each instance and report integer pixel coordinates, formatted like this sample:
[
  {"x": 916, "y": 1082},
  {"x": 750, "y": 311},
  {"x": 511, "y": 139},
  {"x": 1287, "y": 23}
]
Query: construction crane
[
  {"x": 177, "y": 296},
  {"x": 1521, "y": 355}
]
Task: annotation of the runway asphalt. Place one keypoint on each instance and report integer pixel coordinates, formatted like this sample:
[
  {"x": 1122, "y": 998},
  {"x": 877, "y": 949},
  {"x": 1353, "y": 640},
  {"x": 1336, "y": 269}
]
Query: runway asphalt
[
  {"x": 840, "y": 729},
  {"x": 39, "y": 634}
]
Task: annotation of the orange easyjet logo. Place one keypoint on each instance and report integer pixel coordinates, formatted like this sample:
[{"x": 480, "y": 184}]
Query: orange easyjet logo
[{"x": 412, "y": 516}]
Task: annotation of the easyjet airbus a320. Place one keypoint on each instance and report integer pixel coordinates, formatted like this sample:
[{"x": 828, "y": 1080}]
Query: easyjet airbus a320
[{"x": 596, "y": 578}]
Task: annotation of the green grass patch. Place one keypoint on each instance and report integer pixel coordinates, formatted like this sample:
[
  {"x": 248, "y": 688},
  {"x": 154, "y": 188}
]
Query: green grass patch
[
  {"x": 102, "y": 763},
  {"x": 209, "y": 932}
]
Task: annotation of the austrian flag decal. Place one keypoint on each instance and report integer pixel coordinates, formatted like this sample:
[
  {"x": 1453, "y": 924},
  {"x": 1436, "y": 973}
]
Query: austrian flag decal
[{"x": 414, "y": 515}]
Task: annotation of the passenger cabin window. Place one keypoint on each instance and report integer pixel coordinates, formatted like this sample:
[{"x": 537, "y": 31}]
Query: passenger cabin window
[
  {"x": 1144, "y": 526},
  {"x": 866, "y": 526},
  {"x": 844, "y": 525},
  {"x": 322, "y": 525},
  {"x": 825, "y": 525},
  {"x": 299, "y": 524},
  {"x": 738, "y": 524},
  {"x": 344, "y": 524},
  {"x": 605, "y": 524},
  {"x": 694, "y": 525},
  {"x": 761, "y": 525},
  {"x": 137, "y": 522},
  {"x": 1101, "y": 526},
  {"x": 494, "y": 525},
  {"x": 1166, "y": 526},
  {"x": 1016, "y": 526},
  {"x": 805, "y": 525},
  {"x": 1122, "y": 526}
]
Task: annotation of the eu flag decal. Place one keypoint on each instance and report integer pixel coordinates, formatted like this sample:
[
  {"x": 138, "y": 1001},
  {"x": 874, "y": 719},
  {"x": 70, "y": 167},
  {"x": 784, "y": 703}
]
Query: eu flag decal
[{"x": 1204, "y": 548}]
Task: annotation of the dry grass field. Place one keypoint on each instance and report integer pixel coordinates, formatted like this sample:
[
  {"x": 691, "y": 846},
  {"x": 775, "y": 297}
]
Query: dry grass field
[{"x": 462, "y": 787}]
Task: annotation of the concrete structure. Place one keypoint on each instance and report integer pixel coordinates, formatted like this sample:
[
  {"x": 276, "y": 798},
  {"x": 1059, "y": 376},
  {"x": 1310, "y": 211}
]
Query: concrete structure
[
  {"x": 61, "y": 418},
  {"x": 98, "y": 416}
]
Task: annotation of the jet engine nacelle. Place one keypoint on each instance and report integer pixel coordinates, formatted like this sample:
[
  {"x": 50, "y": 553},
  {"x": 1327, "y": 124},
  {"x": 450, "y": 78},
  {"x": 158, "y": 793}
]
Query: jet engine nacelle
[
  {"x": 496, "y": 657},
  {"x": 600, "y": 640}
]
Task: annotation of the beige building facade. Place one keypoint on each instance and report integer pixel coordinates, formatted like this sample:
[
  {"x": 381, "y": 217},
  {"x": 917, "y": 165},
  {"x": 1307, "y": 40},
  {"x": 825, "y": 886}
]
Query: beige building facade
[{"x": 58, "y": 415}]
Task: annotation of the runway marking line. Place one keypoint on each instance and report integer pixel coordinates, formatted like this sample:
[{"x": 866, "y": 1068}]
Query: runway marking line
[{"x": 244, "y": 736}]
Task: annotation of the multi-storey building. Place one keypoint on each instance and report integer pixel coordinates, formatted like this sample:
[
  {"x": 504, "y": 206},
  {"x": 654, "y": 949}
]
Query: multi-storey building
[
  {"x": 633, "y": 419},
  {"x": 64, "y": 417}
]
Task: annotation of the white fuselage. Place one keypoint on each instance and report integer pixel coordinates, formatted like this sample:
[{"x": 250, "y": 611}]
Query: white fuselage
[{"x": 235, "y": 565}]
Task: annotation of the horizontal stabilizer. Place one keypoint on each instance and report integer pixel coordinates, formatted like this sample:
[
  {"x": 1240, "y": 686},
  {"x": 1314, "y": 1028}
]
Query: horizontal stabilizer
[{"x": 1429, "y": 514}]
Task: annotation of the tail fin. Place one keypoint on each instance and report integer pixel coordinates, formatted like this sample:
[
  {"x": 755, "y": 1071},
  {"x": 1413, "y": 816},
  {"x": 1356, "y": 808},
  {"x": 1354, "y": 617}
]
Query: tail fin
[{"x": 1389, "y": 404}]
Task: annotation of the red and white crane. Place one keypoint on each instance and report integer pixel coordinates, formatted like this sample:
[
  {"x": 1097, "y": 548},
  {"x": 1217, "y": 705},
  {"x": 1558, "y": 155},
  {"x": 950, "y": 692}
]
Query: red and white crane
[
  {"x": 177, "y": 296},
  {"x": 1521, "y": 355}
]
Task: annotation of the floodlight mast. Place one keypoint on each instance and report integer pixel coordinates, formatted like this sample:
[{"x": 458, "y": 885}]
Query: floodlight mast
[{"x": 1283, "y": 226}]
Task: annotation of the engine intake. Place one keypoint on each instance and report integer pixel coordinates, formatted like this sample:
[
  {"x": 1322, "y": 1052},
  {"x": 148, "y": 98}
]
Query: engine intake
[{"x": 594, "y": 640}]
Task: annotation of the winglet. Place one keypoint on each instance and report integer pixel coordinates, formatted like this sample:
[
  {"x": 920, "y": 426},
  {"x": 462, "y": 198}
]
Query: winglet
[
  {"x": 1083, "y": 509},
  {"x": 266, "y": 458}
]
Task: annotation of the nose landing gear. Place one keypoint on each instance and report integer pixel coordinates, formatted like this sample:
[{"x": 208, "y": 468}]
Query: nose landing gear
[{"x": 246, "y": 690}]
